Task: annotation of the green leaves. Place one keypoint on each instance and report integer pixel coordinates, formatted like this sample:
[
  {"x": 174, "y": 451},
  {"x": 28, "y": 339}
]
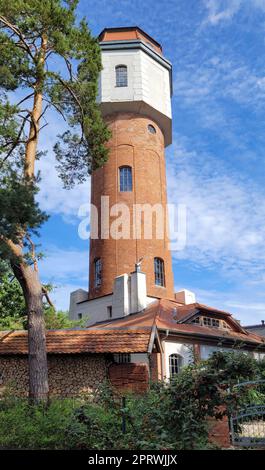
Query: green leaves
[
  {"x": 12, "y": 305},
  {"x": 48, "y": 59},
  {"x": 44, "y": 50},
  {"x": 18, "y": 208}
]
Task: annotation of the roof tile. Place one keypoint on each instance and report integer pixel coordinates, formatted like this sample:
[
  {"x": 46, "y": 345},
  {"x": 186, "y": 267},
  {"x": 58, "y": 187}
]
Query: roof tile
[{"x": 80, "y": 341}]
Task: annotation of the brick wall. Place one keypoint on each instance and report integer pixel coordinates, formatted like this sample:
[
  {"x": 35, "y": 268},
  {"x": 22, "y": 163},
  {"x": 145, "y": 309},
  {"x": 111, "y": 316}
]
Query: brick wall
[
  {"x": 219, "y": 432},
  {"x": 129, "y": 377},
  {"x": 69, "y": 375},
  {"x": 133, "y": 145}
]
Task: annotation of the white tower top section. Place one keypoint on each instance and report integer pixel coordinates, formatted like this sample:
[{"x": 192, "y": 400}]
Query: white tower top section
[{"x": 136, "y": 78}]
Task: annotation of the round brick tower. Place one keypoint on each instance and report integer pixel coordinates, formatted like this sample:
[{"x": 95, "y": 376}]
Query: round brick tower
[{"x": 135, "y": 92}]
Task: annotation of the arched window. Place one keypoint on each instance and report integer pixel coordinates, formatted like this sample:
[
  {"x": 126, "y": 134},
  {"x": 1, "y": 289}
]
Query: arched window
[
  {"x": 98, "y": 272},
  {"x": 125, "y": 176},
  {"x": 121, "y": 75},
  {"x": 175, "y": 363},
  {"x": 159, "y": 272}
]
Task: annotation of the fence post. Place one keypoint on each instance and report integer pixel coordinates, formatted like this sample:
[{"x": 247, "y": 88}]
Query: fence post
[{"x": 123, "y": 424}]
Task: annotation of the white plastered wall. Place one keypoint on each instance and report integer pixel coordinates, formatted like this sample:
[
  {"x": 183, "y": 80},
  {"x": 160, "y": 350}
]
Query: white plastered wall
[
  {"x": 184, "y": 350},
  {"x": 96, "y": 310},
  {"x": 148, "y": 80}
]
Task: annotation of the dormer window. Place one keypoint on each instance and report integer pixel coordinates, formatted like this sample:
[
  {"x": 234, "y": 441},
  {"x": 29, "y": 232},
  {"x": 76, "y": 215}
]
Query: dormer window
[
  {"x": 121, "y": 76},
  {"x": 209, "y": 322}
]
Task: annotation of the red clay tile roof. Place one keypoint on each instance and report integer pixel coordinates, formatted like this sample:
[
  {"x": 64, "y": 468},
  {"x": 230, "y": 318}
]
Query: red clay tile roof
[
  {"x": 168, "y": 315},
  {"x": 81, "y": 341}
]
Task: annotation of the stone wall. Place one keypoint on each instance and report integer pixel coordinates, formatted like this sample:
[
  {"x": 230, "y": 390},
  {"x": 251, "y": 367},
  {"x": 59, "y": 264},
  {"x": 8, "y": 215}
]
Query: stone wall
[{"x": 69, "y": 375}]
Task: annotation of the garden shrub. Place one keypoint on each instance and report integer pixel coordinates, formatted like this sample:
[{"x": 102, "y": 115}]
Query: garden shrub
[{"x": 170, "y": 416}]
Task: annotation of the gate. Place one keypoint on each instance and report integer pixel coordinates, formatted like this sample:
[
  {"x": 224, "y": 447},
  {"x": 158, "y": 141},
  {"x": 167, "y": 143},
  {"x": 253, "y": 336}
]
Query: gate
[{"x": 247, "y": 424}]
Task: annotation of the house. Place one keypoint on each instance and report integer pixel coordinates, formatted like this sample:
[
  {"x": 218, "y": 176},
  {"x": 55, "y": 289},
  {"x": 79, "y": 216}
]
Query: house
[
  {"x": 258, "y": 329},
  {"x": 138, "y": 328},
  {"x": 79, "y": 361}
]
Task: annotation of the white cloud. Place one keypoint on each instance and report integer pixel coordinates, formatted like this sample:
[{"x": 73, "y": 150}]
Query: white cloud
[
  {"x": 219, "y": 77},
  {"x": 221, "y": 10},
  {"x": 53, "y": 198},
  {"x": 248, "y": 306},
  {"x": 225, "y": 213},
  {"x": 60, "y": 265}
]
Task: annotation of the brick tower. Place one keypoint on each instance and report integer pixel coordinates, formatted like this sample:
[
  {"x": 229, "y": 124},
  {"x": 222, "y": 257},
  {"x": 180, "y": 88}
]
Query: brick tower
[{"x": 135, "y": 100}]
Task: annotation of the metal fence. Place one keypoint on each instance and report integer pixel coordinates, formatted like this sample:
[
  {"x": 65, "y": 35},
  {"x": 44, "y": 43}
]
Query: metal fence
[{"x": 247, "y": 424}]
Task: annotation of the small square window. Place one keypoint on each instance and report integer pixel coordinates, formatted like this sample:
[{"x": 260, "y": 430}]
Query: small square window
[{"x": 207, "y": 321}]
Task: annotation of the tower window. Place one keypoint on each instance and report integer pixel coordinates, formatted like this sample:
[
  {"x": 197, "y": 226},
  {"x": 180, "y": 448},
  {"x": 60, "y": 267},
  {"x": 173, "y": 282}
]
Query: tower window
[
  {"x": 175, "y": 363},
  {"x": 159, "y": 272},
  {"x": 125, "y": 178},
  {"x": 98, "y": 272},
  {"x": 121, "y": 75},
  {"x": 151, "y": 129}
]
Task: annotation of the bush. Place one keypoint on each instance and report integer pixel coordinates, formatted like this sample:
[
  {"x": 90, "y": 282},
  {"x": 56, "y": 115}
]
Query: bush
[{"x": 170, "y": 416}]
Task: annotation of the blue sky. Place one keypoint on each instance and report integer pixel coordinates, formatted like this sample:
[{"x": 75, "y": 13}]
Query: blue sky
[{"x": 216, "y": 162}]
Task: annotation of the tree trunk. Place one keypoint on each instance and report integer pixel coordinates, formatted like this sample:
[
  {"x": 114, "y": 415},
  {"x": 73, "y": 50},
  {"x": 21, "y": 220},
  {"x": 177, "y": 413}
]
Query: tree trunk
[{"x": 38, "y": 369}]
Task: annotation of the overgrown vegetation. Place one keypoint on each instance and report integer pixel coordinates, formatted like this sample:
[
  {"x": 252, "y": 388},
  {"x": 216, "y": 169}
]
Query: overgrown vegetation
[
  {"x": 13, "y": 312},
  {"x": 49, "y": 69},
  {"x": 169, "y": 416}
]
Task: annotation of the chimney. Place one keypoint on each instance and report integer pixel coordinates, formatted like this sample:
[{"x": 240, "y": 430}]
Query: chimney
[
  {"x": 120, "y": 301},
  {"x": 185, "y": 297},
  {"x": 138, "y": 291},
  {"x": 76, "y": 296}
]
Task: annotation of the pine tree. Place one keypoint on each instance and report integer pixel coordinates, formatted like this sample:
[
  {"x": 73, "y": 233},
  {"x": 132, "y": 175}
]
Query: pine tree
[{"x": 48, "y": 63}]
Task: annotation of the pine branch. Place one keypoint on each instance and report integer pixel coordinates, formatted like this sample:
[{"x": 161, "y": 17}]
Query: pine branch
[
  {"x": 56, "y": 107},
  {"x": 25, "y": 99},
  {"x": 33, "y": 253},
  {"x": 46, "y": 295},
  {"x": 23, "y": 43},
  {"x": 16, "y": 143}
]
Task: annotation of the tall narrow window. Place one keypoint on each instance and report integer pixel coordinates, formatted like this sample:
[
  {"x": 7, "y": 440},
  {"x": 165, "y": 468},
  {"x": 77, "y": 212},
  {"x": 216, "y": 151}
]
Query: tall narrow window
[
  {"x": 98, "y": 272},
  {"x": 174, "y": 364},
  {"x": 159, "y": 272},
  {"x": 125, "y": 178},
  {"x": 121, "y": 75}
]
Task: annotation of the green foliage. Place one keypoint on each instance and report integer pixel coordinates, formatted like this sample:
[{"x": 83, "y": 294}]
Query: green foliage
[
  {"x": 18, "y": 209},
  {"x": 169, "y": 417},
  {"x": 57, "y": 319},
  {"x": 67, "y": 79},
  {"x": 13, "y": 313},
  {"x": 12, "y": 304},
  {"x": 45, "y": 54}
]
